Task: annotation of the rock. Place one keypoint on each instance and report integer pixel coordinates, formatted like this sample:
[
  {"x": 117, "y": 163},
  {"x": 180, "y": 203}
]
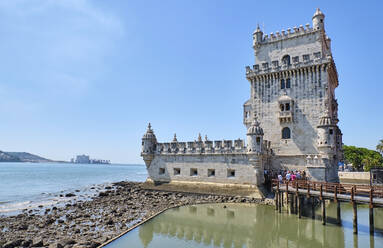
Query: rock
[
  {"x": 56, "y": 245},
  {"x": 102, "y": 194},
  {"x": 49, "y": 221},
  {"x": 69, "y": 195},
  {"x": 69, "y": 242},
  {"x": 23, "y": 227},
  {"x": 93, "y": 244},
  {"x": 26, "y": 243},
  {"x": 12, "y": 244},
  {"x": 38, "y": 242}
]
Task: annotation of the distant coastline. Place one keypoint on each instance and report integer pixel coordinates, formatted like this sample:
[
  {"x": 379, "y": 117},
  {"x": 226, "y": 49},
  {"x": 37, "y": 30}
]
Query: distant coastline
[{"x": 24, "y": 157}]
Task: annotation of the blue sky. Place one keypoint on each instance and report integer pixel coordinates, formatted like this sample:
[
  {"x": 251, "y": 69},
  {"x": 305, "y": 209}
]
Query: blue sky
[{"x": 82, "y": 76}]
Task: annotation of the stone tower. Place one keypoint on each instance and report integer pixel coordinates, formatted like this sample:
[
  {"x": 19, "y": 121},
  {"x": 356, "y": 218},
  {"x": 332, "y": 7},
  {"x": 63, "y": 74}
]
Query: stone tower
[
  {"x": 255, "y": 149},
  {"x": 149, "y": 142},
  {"x": 292, "y": 92}
]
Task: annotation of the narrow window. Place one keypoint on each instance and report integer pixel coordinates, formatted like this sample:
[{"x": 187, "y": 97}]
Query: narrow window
[
  {"x": 282, "y": 107},
  {"x": 230, "y": 214},
  {"x": 286, "y": 60},
  {"x": 265, "y": 66},
  {"x": 193, "y": 172},
  {"x": 306, "y": 57},
  {"x": 288, "y": 83},
  {"x": 282, "y": 84},
  {"x": 161, "y": 171},
  {"x": 211, "y": 173},
  {"x": 275, "y": 63},
  {"x": 230, "y": 173},
  {"x": 286, "y": 133},
  {"x": 287, "y": 106},
  {"x": 258, "y": 140},
  {"x": 177, "y": 171},
  {"x": 331, "y": 131},
  {"x": 295, "y": 59}
]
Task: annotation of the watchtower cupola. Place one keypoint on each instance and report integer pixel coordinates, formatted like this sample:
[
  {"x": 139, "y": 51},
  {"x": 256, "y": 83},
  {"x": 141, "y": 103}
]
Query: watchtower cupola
[
  {"x": 149, "y": 141},
  {"x": 257, "y": 36},
  {"x": 318, "y": 20},
  {"x": 326, "y": 133},
  {"x": 254, "y": 137}
]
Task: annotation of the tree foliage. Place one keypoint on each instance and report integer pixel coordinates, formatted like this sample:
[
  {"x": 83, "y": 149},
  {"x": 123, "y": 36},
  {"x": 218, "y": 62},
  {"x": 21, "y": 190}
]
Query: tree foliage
[
  {"x": 362, "y": 158},
  {"x": 379, "y": 147}
]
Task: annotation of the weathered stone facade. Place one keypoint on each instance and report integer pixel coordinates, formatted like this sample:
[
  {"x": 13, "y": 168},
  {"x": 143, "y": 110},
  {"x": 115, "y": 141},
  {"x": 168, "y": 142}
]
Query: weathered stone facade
[{"x": 292, "y": 95}]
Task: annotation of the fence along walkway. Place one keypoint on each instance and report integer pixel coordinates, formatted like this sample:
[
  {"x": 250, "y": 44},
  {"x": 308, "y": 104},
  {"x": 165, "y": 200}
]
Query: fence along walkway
[{"x": 297, "y": 190}]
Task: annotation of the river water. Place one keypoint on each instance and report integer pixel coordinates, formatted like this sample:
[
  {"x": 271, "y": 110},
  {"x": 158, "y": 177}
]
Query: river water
[
  {"x": 29, "y": 185},
  {"x": 245, "y": 225}
]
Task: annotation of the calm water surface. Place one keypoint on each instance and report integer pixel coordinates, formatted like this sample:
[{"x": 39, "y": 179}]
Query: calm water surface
[
  {"x": 248, "y": 226},
  {"x": 28, "y": 185}
]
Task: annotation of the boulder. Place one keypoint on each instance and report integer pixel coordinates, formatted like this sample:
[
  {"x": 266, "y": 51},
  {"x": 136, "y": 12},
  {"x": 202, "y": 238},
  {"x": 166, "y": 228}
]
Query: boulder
[{"x": 14, "y": 243}]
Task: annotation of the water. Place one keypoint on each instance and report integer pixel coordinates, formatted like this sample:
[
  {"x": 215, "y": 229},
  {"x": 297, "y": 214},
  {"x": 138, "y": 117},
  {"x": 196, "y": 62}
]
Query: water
[
  {"x": 28, "y": 185},
  {"x": 239, "y": 225}
]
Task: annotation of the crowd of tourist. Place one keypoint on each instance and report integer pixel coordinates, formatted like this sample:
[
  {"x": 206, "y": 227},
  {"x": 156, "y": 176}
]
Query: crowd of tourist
[{"x": 284, "y": 175}]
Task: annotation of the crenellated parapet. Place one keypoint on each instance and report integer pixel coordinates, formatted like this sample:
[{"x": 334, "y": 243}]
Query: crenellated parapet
[
  {"x": 290, "y": 33},
  {"x": 316, "y": 64},
  {"x": 201, "y": 147}
]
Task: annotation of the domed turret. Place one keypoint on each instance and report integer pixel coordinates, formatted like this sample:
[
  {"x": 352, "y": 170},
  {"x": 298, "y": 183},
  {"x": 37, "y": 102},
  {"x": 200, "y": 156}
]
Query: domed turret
[
  {"x": 326, "y": 133},
  {"x": 318, "y": 20},
  {"x": 257, "y": 35},
  {"x": 149, "y": 141},
  {"x": 254, "y": 136}
]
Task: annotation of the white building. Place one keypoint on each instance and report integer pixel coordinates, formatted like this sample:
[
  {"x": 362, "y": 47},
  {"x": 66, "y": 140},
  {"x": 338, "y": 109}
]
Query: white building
[{"x": 291, "y": 118}]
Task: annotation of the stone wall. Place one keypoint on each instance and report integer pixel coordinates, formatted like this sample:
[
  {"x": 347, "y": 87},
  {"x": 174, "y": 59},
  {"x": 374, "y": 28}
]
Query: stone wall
[{"x": 215, "y": 168}]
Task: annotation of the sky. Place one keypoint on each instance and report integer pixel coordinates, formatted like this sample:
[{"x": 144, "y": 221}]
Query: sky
[{"x": 86, "y": 76}]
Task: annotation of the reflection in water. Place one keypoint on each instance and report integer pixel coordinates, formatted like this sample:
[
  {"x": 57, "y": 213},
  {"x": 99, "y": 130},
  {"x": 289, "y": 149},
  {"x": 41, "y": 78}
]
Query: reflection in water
[{"x": 248, "y": 226}]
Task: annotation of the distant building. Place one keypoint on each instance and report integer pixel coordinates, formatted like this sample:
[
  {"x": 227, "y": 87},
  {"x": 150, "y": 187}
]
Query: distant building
[
  {"x": 85, "y": 159},
  {"x": 82, "y": 159}
]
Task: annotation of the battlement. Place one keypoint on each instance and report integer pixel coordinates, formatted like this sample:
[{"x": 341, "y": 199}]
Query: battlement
[
  {"x": 264, "y": 68},
  {"x": 205, "y": 147},
  {"x": 283, "y": 35}
]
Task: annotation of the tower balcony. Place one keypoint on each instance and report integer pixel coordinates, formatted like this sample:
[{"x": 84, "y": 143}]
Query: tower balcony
[{"x": 285, "y": 116}]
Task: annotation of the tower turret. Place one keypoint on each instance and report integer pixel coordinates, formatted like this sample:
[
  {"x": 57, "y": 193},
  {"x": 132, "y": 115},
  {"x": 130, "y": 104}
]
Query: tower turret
[
  {"x": 257, "y": 36},
  {"x": 318, "y": 20},
  {"x": 326, "y": 134},
  {"x": 254, "y": 137},
  {"x": 149, "y": 143}
]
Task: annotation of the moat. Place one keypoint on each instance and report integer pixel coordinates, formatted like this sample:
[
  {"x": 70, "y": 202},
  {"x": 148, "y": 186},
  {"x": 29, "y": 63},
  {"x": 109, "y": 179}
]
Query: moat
[{"x": 250, "y": 225}]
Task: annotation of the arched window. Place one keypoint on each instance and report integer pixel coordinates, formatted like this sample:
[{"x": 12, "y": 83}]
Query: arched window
[
  {"x": 286, "y": 134},
  {"x": 287, "y": 106},
  {"x": 288, "y": 85},
  {"x": 286, "y": 60},
  {"x": 282, "y": 84}
]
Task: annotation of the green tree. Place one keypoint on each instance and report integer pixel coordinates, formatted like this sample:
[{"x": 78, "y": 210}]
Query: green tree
[
  {"x": 362, "y": 158},
  {"x": 369, "y": 162},
  {"x": 379, "y": 147}
]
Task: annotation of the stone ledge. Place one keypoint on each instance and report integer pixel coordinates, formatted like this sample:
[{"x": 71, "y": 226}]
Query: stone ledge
[{"x": 242, "y": 190}]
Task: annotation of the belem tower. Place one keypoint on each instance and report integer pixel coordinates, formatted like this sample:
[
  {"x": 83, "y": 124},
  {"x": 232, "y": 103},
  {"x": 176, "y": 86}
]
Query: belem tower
[{"x": 291, "y": 119}]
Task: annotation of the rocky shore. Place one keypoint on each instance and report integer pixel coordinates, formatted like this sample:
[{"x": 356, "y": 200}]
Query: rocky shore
[{"x": 91, "y": 223}]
